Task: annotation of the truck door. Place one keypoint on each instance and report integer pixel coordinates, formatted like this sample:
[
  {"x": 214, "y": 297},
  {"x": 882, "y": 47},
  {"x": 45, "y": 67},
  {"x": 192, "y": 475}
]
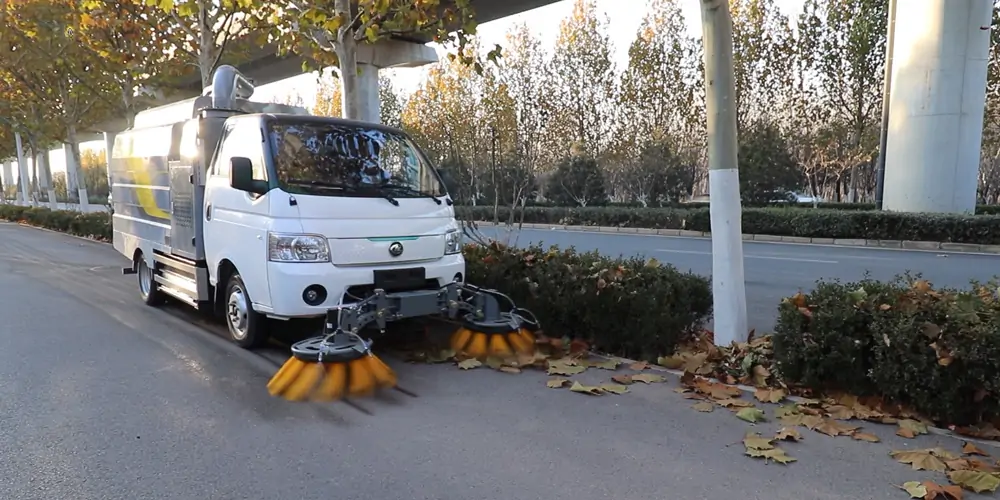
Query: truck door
[{"x": 236, "y": 222}]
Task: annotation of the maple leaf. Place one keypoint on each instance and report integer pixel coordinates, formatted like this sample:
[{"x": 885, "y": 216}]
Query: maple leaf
[
  {"x": 975, "y": 480},
  {"x": 752, "y": 415},
  {"x": 648, "y": 378},
  {"x": 623, "y": 379},
  {"x": 788, "y": 434},
  {"x": 704, "y": 407},
  {"x": 733, "y": 403},
  {"x": 971, "y": 449},
  {"x": 586, "y": 389},
  {"x": 769, "y": 395},
  {"x": 834, "y": 428},
  {"x": 468, "y": 364},
  {"x": 556, "y": 382},
  {"x": 864, "y": 436},
  {"x": 920, "y": 459},
  {"x": 613, "y": 388}
]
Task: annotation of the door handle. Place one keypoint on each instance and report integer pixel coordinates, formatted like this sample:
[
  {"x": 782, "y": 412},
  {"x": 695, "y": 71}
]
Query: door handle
[{"x": 208, "y": 212}]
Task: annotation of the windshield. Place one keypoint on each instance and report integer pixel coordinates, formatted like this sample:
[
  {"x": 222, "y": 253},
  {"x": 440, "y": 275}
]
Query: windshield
[{"x": 348, "y": 160}]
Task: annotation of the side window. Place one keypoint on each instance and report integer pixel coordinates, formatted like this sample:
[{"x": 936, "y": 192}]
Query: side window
[
  {"x": 222, "y": 154},
  {"x": 244, "y": 140}
]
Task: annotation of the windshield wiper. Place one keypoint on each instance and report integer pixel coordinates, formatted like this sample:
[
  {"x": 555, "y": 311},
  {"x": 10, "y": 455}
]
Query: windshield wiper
[
  {"x": 347, "y": 188},
  {"x": 412, "y": 191}
]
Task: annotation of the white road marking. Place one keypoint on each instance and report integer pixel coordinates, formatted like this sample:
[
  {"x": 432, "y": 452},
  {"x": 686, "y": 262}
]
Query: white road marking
[{"x": 745, "y": 256}]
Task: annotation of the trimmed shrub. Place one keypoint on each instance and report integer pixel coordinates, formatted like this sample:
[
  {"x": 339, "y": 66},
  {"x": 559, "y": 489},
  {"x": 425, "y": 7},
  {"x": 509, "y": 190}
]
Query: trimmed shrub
[
  {"x": 937, "y": 351},
  {"x": 630, "y": 307},
  {"x": 815, "y": 223},
  {"x": 823, "y": 339},
  {"x": 89, "y": 225},
  {"x": 940, "y": 353}
]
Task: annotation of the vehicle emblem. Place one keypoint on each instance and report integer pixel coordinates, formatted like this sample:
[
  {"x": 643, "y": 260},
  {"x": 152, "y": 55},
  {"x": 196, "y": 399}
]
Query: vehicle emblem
[{"x": 396, "y": 249}]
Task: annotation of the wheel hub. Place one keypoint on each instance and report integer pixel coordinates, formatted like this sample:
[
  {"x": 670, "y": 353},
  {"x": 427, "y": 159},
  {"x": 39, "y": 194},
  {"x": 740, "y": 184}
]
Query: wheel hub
[
  {"x": 236, "y": 312},
  {"x": 145, "y": 278}
]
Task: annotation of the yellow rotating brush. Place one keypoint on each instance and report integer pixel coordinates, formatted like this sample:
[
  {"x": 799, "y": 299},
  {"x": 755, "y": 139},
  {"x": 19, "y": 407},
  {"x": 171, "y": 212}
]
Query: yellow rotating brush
[
  {"x": 483, "y": 341},
  {"x": 329, "y": 368}
]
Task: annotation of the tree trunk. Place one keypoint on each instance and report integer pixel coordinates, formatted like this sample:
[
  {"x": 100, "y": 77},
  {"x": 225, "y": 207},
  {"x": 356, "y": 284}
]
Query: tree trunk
[
  {"x": 206, "y": 46},
  {"x": 347, "y": 60},
  {"x": 81, "y": 182}
]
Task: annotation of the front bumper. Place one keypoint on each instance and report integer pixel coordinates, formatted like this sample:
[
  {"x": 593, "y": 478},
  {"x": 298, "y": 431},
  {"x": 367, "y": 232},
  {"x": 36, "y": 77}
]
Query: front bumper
[{"x": 287, "y": 281}]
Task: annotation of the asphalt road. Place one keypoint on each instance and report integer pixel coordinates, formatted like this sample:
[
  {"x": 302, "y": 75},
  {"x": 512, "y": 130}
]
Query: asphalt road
[
  {"x": 104, "y": 398},
  {"x": 775, "y": 270}
]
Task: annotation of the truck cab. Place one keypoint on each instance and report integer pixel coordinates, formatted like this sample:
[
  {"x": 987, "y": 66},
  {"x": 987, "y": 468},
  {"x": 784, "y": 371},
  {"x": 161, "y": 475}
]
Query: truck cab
[{"x": 263, "y": 216}]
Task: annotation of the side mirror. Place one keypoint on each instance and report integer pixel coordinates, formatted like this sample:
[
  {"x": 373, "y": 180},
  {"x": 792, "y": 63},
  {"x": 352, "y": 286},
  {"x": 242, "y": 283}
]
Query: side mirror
[{"x": 241, "y": 176}]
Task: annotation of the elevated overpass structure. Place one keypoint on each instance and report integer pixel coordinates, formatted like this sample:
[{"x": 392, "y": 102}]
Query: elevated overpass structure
[
  {"x": 937, "y": 95},
  {"x": 265, "y": 66}
]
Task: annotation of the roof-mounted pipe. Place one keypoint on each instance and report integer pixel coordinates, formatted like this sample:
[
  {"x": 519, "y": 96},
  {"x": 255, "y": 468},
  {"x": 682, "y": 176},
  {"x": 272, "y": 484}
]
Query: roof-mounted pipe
[{"x": 228, "y": 84}]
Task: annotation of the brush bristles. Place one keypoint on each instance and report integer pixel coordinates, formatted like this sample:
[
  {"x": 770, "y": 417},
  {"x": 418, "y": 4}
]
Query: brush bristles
[
  {"x": 481, "y": 345},
  {"x": 299, "y": 380}
]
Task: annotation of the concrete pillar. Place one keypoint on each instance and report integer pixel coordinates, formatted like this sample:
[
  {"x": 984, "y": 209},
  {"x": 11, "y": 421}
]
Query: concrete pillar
[
  {"x": 22, "y": 170},
  {"x": 388, "y": 54},
  {"x": 938, "y": 91},
  {"x": 368, "y": 97}
]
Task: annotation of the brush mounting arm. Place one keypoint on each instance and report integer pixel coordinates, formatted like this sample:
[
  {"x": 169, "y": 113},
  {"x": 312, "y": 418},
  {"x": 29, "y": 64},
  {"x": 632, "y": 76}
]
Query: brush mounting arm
[{"x": 477, "y": 305}]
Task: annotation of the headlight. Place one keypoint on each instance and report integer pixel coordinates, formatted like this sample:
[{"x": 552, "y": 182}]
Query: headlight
[
  {"x": 297, "y": 248},
  {"x": 452, "y": 242}
]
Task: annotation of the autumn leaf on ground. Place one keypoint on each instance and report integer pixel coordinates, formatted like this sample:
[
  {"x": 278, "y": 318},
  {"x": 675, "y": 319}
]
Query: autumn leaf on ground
[
  {"x": 974, "y": 480},
  {"x": 556, "y": 382},
  {"x": 510, "y": 369},
  {"x": 769, "y": 395},
  {"x": 864, "y": 436},
  {"x": 839, "y": 412},
  {"x": 586, "y": 389},
  {"x": 929, "y": 490},
  {"x": 957, "y": 464},
  {"x": 760, "y": 447},
  {"x": 648, "y": 378},
  {"x": 910, "y": 428},
  {"x": 982, "y": 466},
  {"x": 494, "y": 362},
  {"x": 733, "y": 403},
  {"x": 613, "y": 388},
  {"x": 716, "y": 390},
  {"x": 752, "y": 415},
  {"x": 469, "y": 364},
  {"x": 604, "y": 365},
  {"x": 623, "y": 379},
  {"x": 986, "y": 431},
  {"x": 562, "y": 368},
  {"x": 920, "y": 459},
  {"x": 760, "y": 376},
  {"x": 971, "y": 449},
  {"x": 440, "y": 356},
  {"x": 638, "y": 366},
  {"x": 834, "y": 428},
  {"x": 784, "y": 410},
  {"x": 704, "y": 407},
  {"x": 788, "y": 434}
]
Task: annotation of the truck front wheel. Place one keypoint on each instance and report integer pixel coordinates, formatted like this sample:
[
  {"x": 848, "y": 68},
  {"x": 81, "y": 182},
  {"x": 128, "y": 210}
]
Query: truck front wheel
[
  {"x": 247, "y": 328},
  {"x": 149, "y": 289}
]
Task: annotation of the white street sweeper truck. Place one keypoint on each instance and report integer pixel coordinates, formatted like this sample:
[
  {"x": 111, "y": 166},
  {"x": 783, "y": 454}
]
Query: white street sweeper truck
[{"x": 260, "y": 213}]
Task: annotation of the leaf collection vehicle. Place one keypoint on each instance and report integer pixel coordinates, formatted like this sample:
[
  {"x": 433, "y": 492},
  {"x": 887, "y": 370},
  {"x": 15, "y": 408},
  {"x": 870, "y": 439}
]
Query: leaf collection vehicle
[{"x": 260, "y": 213}]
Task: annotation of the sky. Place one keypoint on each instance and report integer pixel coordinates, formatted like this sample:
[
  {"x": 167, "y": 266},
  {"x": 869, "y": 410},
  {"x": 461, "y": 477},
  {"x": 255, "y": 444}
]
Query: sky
[{"x": 544, "y": 22}]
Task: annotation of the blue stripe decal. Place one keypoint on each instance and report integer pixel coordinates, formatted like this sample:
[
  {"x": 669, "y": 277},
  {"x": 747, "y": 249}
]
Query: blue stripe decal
[{"x": 395, "y": 238}]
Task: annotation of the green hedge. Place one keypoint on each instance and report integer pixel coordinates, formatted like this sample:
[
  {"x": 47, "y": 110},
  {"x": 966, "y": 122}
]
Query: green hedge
[
  {"x": 816, "y": 223},
  {"x": 629, "y": 307},
  {"x": 937, "y": 351},
  {"x": 980, "y": 209},
  {"x": 91, "y": 225}
]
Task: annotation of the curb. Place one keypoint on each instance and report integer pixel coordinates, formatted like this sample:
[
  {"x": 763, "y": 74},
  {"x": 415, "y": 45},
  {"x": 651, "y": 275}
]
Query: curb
[
  {"x": 795, "y": 399},
  {"x": 84, "y": 238},
  {"x": 802, "y": 240}
]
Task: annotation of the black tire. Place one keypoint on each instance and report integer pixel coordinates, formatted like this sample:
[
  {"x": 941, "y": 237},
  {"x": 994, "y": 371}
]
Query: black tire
[
  {"x": 149, "y": 289},
  {"x": 247, "y": 328}
]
